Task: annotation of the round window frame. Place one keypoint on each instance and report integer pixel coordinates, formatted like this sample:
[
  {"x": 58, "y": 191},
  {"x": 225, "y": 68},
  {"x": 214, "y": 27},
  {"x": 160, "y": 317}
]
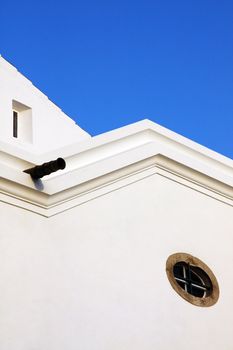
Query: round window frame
[{"x": 206, "y": 301}]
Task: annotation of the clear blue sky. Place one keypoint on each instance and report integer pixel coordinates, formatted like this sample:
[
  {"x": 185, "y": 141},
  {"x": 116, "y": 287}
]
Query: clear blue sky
[{"x": 111, "y": 63}]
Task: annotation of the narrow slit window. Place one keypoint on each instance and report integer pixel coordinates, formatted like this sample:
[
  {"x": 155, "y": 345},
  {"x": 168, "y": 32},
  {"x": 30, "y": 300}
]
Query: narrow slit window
[
  {"x": 15, "y": 124},
  {"x": 21, "y": 122}
]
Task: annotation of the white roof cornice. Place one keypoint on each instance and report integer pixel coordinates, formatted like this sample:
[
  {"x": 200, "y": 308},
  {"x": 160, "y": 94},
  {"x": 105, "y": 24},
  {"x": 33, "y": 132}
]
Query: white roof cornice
[{"x": 112, "y": 156}]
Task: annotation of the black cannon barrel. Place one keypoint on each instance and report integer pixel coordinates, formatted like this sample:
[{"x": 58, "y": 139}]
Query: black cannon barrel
[{"x": 47, "y": 168}]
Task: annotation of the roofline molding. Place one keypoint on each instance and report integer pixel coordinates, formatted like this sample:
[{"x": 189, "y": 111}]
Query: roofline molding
[{"x": 129, "y": 153}]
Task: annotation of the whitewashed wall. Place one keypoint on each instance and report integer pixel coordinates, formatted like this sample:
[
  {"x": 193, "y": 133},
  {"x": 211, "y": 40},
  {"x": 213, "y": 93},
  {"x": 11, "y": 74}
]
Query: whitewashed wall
[
  {"x": 93, "y": 277},
  {"x": 47, "y": 128}
]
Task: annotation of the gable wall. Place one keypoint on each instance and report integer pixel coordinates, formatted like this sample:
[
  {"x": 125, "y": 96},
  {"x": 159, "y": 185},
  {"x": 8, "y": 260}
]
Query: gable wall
[{"x": 93, "y": 277}]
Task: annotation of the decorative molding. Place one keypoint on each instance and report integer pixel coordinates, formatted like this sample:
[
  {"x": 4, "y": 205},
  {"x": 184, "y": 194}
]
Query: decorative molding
[
  {"x": 110, "y": 161},
  {"x": 49, "y": 205}
]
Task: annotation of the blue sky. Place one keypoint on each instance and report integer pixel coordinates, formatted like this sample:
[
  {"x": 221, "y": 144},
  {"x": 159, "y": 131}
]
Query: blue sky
[{"x": 112, "y": 63}]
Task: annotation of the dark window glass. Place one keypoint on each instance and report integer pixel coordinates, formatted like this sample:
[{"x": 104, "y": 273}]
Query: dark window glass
[
  {"x": 15, "y": 124},
  {"x": 192, "y": 279}
]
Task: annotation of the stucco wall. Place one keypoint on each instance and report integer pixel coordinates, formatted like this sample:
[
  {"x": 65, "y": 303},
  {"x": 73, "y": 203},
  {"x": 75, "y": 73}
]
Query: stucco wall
[
  {"x": 47, "y": 128},
  {"x": 93, "y": 277}
]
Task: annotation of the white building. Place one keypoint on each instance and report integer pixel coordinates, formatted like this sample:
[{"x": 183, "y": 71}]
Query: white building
[{"x": 130, "y": 247}]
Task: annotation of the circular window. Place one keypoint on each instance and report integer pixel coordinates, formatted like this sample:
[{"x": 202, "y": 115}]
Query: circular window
[{"x": 192, "y": 279}]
